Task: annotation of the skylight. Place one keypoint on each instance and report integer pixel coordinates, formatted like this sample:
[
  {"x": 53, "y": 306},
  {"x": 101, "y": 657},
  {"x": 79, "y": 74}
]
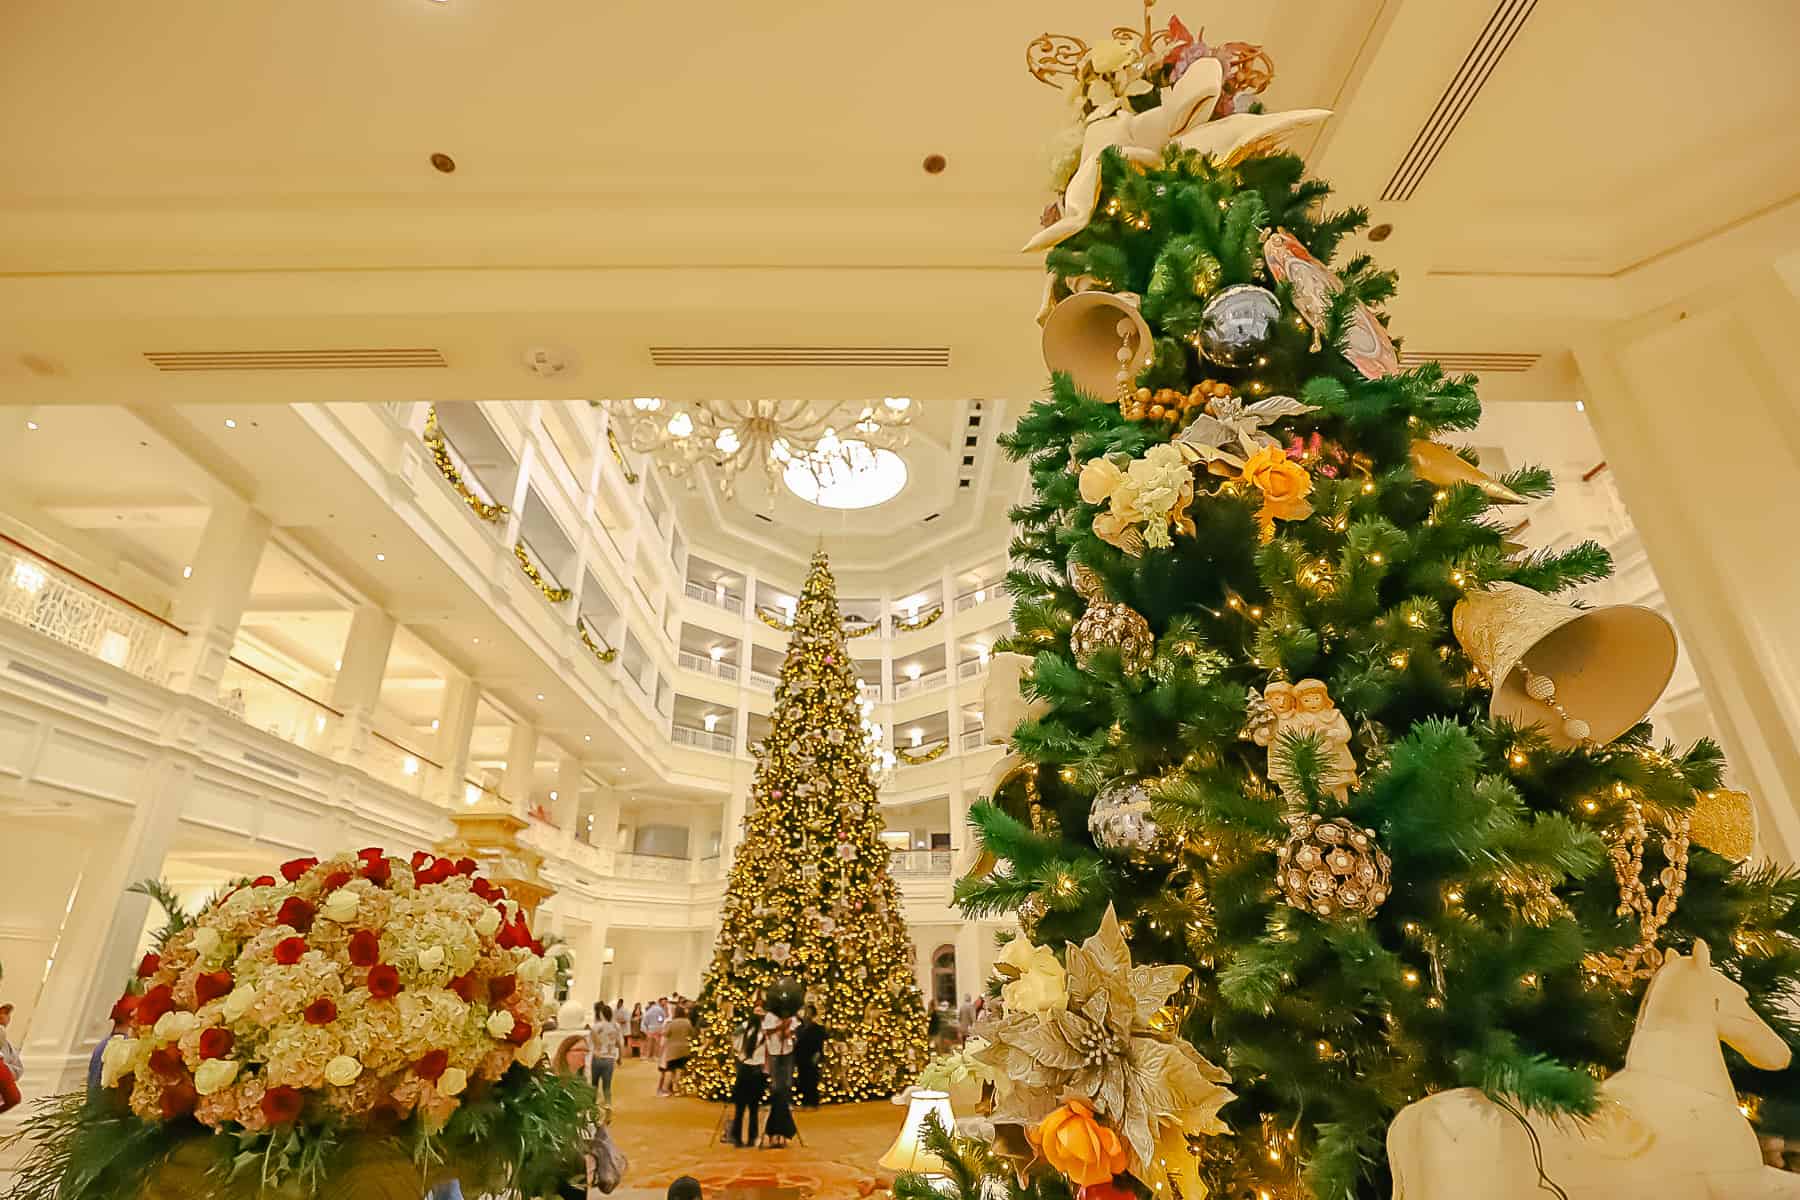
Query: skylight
[{"x": 871, "y": 477}]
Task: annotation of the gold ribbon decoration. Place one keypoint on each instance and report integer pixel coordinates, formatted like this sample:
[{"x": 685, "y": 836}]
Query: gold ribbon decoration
[
  {"x": 446, "y": 465},
  {"x": 555, "y": 595}
]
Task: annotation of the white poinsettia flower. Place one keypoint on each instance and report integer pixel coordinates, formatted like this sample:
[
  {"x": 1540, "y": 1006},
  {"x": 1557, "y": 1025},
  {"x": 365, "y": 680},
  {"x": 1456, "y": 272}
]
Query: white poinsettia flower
[
  {"x": 215, "y": 1074},
  {"x": 342, "y": 1071}
]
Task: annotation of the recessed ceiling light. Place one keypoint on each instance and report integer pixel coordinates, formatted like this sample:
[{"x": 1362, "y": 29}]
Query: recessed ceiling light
[
  {"x": 31, "y": 425},
  {"x": 587, "y": 737},
  {"x": 540, "y": 695},
  {"x": 187, "y": 572},
  {"x": 434, "y": 723},
  {"x": 477, "y": 641},
  {"x": 381, "y": 558},
  {"x": 1581, "y": 406},
  {"x": 338, "y": 665},
  {"x": 230, "y": 424}
]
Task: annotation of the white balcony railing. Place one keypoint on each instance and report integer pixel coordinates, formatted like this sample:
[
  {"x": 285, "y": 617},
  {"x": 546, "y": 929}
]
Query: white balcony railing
[
  {"x": 701, "y": 739},
  {"x": 971, "y": 668},
  {"x": 399, "y": 767},
  {"x": 652, "y": 866},
  {"x": 58, "y": 603},
  {"x": 980, "y": 595},
  {"x": 920, "y": 864},
  {"x": 930, "y": 681},
  {"x": 706, "y": 665},
  {"x": 263, "y": 702},
  {"x": 973, "y": 739},
  {"x": 714, "y": 597},
  {"x": 764, "y": 682}
]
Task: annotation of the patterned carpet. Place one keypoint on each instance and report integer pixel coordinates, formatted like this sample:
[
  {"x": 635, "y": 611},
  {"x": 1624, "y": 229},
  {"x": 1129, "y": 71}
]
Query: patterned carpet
[{"x": 668, "y": 1138}]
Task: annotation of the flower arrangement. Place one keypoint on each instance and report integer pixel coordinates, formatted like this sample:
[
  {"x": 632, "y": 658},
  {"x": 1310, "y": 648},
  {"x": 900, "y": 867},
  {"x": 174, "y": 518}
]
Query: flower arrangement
[
  {"x": 360, "y": 997},
  {"x": 1143, "y": 498}
]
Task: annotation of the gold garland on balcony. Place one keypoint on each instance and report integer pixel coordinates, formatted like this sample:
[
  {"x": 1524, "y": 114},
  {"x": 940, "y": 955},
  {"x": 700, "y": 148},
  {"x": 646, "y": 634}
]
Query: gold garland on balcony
[
  {"x": 440, "y": 454},
  {"x": 924, "y": 756},
  {"x": 924, "y": 622},
  {"x": 612, "y": 443},
  {"x": 865, "y": 631},
  {"x": 555, "y": 595},
  {"x": 773, "y": 622},
  {"x": 605, "y": 654}
]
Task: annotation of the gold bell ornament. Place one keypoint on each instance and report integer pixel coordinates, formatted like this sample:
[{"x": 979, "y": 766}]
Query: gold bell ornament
[
  {"x": 1003, "y": 706},
  {"x": 1585, "y": 674},
  {"x": 1100, "y": 340}
]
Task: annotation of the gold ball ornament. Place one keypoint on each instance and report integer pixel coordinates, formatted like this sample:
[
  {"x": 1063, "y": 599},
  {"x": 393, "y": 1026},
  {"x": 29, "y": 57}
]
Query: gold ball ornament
[
  {"x": 1108, "y": 625},
  {"x": 1333, "y": 868},
  {"x": 1724, "y": 821}
]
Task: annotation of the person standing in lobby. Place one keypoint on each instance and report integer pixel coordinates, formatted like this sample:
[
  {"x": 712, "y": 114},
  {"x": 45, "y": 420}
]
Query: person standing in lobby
[
  {"x": 678, "y": 1036},
  {"x": 752, "y": 1054},
  {"x": 604, "y": 1049},
  {"x": 655, "y": 1017},
  {"x": 809, "y": 1049}
]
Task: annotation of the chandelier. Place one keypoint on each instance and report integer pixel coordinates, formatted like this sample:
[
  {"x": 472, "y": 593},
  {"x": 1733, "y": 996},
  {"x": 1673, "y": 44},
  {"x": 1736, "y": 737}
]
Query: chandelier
[{"x": 775, "y": 436}]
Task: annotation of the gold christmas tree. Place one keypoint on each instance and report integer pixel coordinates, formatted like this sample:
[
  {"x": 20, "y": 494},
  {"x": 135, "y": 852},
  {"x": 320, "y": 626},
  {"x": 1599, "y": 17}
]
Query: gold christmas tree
[{"x": 809, "y": 895}]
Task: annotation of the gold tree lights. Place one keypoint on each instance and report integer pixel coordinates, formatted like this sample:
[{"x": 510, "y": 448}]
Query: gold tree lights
[{"x": 809, "y": 894}]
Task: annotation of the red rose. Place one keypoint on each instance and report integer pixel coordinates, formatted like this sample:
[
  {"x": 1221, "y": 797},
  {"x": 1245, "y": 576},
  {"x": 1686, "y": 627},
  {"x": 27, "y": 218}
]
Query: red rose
[
  {"x": 148, "y": 966},
  {"x": 295, "y": 868},
  {"x": 384, "y": 981},
  {"x": 420, "y": 858},
  {"x": 464, "y": 987},
  {"x": 440, "y": 870},
  {"x": 281, "y": 1105},
  {"x": 123, "y": 1010},
  {"x": 1106, "y": 1191},
  {"x": 521, "y": 1032},
  {"x": 153, "y": 1004},
  {"x": 211, "y": 986},
  {"x": 322, "y": 1011},
  {"x": 500, "y": 987},
  {"x": 365, "y": 948},
  {"x": 216, "y": 1042},
  {"x": 288, "y": 951},
  {"x": 263, "y": 881},
  {"x": 432, "y": 1065},
  {"x": 465, "y": 866},
  {"x": 166, "y": 1061},
  {"x": 513, "y": 935},
  {"x": 377, "y": 870},
  {"x": 336, "y": 880},
  {"x": 178, "y": 1100},
  {"x": 296, "y": 912},
  {"x": 485, "y": 890},
  {"x": 369, "y": 852}
]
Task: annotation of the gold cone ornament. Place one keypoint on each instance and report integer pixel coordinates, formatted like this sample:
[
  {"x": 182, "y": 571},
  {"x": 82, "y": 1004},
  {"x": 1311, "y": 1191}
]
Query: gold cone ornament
[
  {"x": 1437, "y": 463},
  {"x": 1585, "y": 674},
  {"x": 1100, "y": 340},
  {"x": 1003, "y": 706}
]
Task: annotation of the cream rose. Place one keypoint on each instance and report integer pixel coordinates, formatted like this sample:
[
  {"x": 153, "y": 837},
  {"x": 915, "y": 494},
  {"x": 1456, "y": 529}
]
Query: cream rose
[
  {"x": 342, "y": 1071},
  {"x": 239, "y": 1002},
  {"x": 1110, "y": 56},
  {"x": 173, "y": 1026},
  {"x": 431, "y": 958},
  {"x": 115, "y": 1060},
  {"x": 488, "y": 923},
  {"x": 499, "y": 1023},
  {"x": 1099, "y": 479},
  {"x": 215, "y": 1074},
  {"x": 206, "y": 941},
  {"x": 530, "y": 1053},
  {"x": 1038, "y": 982},
  {"x": 341, "y": 905},
  {"x": 452, "y": 1081}
]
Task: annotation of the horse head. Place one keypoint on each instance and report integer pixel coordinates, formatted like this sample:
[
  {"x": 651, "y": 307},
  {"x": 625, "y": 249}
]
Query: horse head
[{"x": 1689, "y": 990}]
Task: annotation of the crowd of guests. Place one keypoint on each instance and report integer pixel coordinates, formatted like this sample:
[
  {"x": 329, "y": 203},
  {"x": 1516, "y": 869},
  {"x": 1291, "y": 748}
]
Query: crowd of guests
[{"x": 662, "y": 1033}]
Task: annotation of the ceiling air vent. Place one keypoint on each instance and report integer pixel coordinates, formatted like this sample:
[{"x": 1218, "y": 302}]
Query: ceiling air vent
[
  {"x": 1488, "y": 362},
  {"x": 1502, "y": 27},
  {"x": 355, "y": 359},
  {"x": 800, "y": 356}
]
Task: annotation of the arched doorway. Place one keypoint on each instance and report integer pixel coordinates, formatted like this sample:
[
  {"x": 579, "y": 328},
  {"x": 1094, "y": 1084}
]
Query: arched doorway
[{"x": 943, "y": 976}]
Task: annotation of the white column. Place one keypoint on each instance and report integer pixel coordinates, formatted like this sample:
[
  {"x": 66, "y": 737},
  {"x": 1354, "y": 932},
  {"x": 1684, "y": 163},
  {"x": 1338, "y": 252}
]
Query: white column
[
  {"x": 521, "y": 766},
  {"x": 97, "y": 948},
  {"x": 456, "y": 729},
  {"x": 969, "y": 973},
  {"x": 356, "y": 692},
  {"x": 1697, "y": 409},
  {"x": 606, "y": 826},
  {"x": 210, "y": 603}
]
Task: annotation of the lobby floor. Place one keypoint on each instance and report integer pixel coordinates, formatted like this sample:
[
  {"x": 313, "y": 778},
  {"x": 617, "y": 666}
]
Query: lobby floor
[{"x": 668, "y": 1138}]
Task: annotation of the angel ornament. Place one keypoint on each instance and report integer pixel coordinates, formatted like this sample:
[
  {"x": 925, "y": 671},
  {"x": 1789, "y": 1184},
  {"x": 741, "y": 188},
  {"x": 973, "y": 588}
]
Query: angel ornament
[
  {"x": 1231, "y": 432},
  {"x": 1306, "y": 709}
]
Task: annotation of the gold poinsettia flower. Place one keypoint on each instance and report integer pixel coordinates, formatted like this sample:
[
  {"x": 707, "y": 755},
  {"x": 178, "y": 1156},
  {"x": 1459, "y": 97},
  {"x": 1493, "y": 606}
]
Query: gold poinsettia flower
[{"x": 1105, "y": 1048}]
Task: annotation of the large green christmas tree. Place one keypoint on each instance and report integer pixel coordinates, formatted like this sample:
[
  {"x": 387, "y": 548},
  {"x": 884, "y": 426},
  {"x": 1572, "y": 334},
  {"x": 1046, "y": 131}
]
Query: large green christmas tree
[
  {"x": 809, "y": 896},
  {"x": 1260, "y": 739}
]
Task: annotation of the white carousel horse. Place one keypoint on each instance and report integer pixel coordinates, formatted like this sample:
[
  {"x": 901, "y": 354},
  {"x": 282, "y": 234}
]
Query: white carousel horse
[{"x": 1669, "y": 1127}]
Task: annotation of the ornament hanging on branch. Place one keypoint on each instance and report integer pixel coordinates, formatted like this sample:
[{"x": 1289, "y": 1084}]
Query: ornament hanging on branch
[
  {"x": 1332, "y": 868},
  {"x": 1305, "y": 709},
  {"x": 1120, "y": 820},
  {"x": 1437, "y": 463},
  {"x": 1108, "y": 625},
  {"x": 1585, "y": 675},
  {"x": 1627, "y": 854},
  {"x": 1100, "y": 340},
  {"x": 1238, "y": 324},
  {"x": 1313, "y": 284},
  {"x": 1724, "y": 821}
]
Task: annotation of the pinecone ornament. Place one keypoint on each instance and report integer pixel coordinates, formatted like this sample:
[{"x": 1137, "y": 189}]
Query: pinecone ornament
[
  {"x": 1108, "y": 625},
  {"x": 1332, "y": 868}
]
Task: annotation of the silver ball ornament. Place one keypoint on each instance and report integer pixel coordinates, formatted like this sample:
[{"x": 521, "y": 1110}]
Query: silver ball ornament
[
  {"x": 1237, "y": 324},
  {"x": 1120, "y": 821}
]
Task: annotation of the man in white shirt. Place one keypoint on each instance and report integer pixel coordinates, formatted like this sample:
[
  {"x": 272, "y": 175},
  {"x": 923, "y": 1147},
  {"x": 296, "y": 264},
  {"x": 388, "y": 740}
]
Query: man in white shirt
[{"x": 655, "y": 1017}]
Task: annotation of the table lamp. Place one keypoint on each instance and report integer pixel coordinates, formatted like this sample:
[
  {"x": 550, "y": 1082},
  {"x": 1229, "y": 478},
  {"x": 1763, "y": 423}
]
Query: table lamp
[{"x": 908, "y": 1153}]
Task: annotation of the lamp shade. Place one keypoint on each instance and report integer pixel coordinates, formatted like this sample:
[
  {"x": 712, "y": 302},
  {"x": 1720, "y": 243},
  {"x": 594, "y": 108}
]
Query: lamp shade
[{"x": 908, "y": 1153}]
